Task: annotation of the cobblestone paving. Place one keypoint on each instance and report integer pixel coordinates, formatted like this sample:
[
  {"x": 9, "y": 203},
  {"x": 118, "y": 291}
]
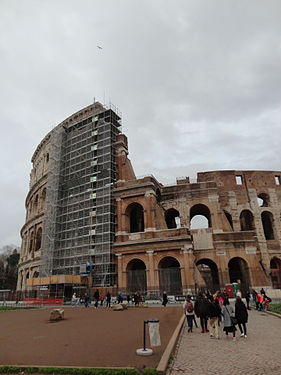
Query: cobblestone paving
[{"x": 259, "y": 354}]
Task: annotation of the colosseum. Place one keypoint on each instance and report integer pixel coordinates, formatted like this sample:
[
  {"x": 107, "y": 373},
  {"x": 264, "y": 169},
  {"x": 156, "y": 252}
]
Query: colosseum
[{"x": 91, "y": 223}]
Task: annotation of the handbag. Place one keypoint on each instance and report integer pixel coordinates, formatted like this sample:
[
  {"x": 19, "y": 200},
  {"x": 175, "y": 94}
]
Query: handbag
[{"x": 233, "y": 320}]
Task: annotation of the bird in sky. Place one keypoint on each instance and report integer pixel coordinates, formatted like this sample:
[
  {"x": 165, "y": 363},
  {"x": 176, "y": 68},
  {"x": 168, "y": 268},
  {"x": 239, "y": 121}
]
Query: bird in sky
[{"x": 99, "y": 47}]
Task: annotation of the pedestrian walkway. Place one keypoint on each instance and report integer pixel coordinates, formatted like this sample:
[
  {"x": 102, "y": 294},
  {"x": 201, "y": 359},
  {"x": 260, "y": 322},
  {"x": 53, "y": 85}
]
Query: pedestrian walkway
[{"x": 258, "y": 354}]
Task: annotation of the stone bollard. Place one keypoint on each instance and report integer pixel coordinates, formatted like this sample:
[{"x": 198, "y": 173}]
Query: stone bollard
[{"x": 56, "y": 315}]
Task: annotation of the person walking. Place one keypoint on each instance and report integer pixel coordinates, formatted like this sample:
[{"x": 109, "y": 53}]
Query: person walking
[
  {"x": 108, "y": 299},
  {"x": 86, "y": 300},
  {"x": 189, "y": 312},
  {"x": 241, "y": 314},
  {"x": 214, "y": 312},
  {"x": 101, "y": 300},
  {"x": 201, "y": 311},
  {"x": 164, "y": 299},
  {"x": 228, "y": 312},
  {"x": 96, "y": 298},
  {"x": 248, "y": 297}
]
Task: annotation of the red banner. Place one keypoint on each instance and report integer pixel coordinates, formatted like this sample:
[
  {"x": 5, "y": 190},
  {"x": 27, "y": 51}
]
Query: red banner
[{"x": 43, "y": 301}]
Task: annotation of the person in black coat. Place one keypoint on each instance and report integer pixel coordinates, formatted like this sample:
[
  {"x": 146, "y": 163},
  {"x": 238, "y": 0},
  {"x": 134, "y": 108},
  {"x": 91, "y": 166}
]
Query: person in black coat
[
  {"x": 164, "y": 299},
  {"x": 201, "y": 311},
  {"x": 241, "y": 314}
]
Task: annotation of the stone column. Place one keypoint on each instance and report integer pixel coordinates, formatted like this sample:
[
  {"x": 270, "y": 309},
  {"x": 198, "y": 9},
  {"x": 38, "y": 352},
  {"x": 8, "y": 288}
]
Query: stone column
[
  {"x": 150, "y": 274},
  {"x": 188, "y": 263},
  {"x": 120, "y": 271}
]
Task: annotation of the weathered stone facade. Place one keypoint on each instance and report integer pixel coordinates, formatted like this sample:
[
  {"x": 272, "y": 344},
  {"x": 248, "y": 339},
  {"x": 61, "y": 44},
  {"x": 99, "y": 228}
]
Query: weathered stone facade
[
  {"x": 241, "y": 242},
  {"x": 156, "y": 245}
]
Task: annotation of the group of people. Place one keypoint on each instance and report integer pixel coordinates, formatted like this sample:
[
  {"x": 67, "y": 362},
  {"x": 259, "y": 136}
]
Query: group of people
[
  {"x": 212, "y": 310},
  {"x": 261, "y": 299},
  {"x": 99, "y": 299}
]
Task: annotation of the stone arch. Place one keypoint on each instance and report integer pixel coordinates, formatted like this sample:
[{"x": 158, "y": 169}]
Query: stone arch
[
  {"x": 135, "y": 218},
  {"x": 247, "y": 220},
  {"x": 38, "y": 239},
  {"x": 136, "y": 276},
  {"x": 200, "y": 217},
  {"x": 263, "y": 200},
  {"x": 239, "y": 273},
  {"x": 35, "y": 274},
  {"x": 275, "y": 272},
  {"x": 172, "y": 218},
  {"x": 170, "y": 275},
  {"x": 209, "y": 272},
  {"x": 268, "y": 225}
]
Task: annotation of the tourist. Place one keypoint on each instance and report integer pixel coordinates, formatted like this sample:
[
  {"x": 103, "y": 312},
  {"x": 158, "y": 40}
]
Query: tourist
[
  {"x": 241, "y": 314},
  {"x": 266, "y": 303},
  {"x": 248, "y": 297},
  {"x": 164, "y": 299},
  {"x": 189, "y": 312},
  {"x": 120, "y": 298},
  {"x": 86, "y": 300},
  {"x": 101, "y": 299},
  {"x": 214, "y": 312},
  {"x": 96, "y": 298},
  {"x": 227, "y": 313},
  {"x": 74, "y": 300},
  {"x": 128, "y": 298},
  {"x": 108, "y": 299},
  {"x": 201, "y": 311}
]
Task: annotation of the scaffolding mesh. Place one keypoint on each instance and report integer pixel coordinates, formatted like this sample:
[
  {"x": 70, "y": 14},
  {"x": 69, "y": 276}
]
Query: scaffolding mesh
[{"x": 80, "y": 215}]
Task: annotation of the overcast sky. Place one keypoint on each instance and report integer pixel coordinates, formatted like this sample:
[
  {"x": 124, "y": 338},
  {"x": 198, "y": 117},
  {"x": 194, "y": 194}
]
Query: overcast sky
[{"x": 198, "y": 84}]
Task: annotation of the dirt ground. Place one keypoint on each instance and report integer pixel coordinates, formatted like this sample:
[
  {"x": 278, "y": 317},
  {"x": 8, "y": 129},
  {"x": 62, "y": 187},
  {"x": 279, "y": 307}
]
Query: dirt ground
[{"x": 87, "y": 337}]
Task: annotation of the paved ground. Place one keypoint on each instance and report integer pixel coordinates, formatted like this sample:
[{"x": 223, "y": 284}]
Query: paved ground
[{"x": 260, "y": 353}]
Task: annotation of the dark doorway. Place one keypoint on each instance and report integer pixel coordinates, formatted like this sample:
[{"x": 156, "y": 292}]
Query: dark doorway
[
  {"x": 170, "y": 217},
  {"x": 136, "y": 276},
  {"x": 170, "y": 276},
  {"x": 247, "y": 220},
  {"x": 209, "y": 272},
  {"x": 239, "y": 273},
  {"x": 267, "y": 223},
  {"x": 275, "y": 272},
  {"x": 136, "y": 217}
]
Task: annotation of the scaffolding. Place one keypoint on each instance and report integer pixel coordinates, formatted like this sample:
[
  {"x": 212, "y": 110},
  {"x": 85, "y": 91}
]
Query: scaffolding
[{"x": 80, "y": 215}]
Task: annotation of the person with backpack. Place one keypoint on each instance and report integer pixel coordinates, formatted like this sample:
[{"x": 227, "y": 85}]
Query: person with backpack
[
  {"x": 201, "y": 311},
  {"x": 214, "y": 312},
  {"x": 189, "y": 312},
  {"x": 227, "y": 312}
]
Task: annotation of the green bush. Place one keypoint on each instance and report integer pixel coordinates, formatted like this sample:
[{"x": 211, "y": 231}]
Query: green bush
[{"x": 16, "y": 307}]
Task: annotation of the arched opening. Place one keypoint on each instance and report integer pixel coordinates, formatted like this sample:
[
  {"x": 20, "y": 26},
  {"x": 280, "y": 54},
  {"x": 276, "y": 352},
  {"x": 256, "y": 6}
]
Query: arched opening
[
  {"x": 170, "y": 276},
  {"x": 267, "y": 223},
  {"x": 35, "y": 207},
  {"x": 263, "y": 200},
  {"x": 229, "y": 218},
  {"x": 38, "y": 239},
  {"x": 47, "y": 158},
  {"x": 275, "y": 272},
  {"x": 136, "y": 217},
  {"x": 200, "y": 217},
  {"x": 209, "y": 272},
  {"x": 27, "y": 275},
  {"x": 239, "y": 273},
  {"x": 247, "y": 220},
  {"x": 172, "y": 218},
  {"x": 136, "y": 276},
  {"x": 43, "y": 198},
  {"x": 31, "y": 242},
  {"x": 36, "y": 274}
]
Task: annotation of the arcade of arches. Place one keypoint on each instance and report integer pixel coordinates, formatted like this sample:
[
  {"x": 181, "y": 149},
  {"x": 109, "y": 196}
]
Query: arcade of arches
[{"x": 148, "y": 273}]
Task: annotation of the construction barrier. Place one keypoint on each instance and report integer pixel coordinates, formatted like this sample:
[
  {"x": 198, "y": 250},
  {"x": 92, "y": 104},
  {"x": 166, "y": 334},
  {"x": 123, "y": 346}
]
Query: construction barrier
[{"x": 43, "y": 301}]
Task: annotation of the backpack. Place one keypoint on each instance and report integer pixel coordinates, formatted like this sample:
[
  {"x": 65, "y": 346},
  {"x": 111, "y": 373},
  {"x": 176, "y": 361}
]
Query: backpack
[{"x": 189, "y": 307}]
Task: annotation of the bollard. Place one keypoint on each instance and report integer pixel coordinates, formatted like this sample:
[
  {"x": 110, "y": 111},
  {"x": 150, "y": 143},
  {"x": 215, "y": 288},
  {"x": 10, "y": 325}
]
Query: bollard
[{"x": 146, "y": 351}]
